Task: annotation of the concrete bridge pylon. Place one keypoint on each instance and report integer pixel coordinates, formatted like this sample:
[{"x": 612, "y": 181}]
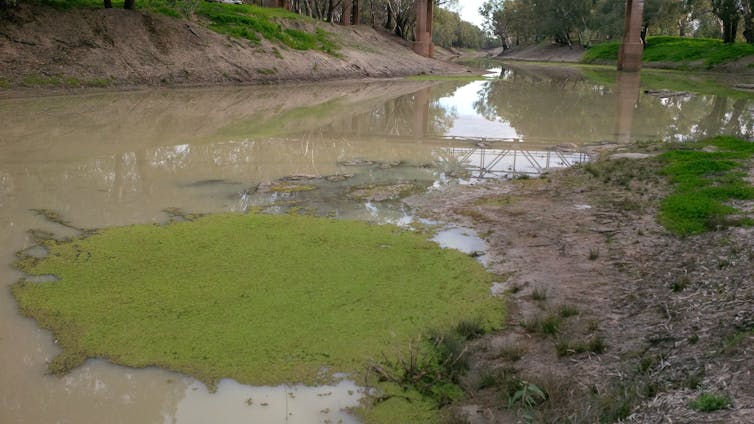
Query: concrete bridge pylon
[
  {"x": 632, "y": 47},
  {"x": 423, "y": 44}
]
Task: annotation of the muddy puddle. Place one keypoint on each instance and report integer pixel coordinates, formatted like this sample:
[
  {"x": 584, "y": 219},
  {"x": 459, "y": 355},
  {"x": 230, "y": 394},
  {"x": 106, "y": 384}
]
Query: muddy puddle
[{"x": 350, "y": 151}]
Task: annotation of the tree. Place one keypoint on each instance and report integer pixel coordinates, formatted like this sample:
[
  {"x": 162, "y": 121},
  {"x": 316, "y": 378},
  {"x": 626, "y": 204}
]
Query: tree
[
  {"x": 496, "y": 18},
  {"x": 729, "y": 11},
  {"x": 748, "y": 16}
]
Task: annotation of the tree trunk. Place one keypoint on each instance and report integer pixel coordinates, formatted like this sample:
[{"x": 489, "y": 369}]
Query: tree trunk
[
  {"x": 129, "y": 4},
  {"x": 749, "y": 21},
  {"x": 330, "y": 10},
  {"x": 389, "y": 21},
  {"x": 729, "y": 30},
  {"x": 108, "y": 4}
]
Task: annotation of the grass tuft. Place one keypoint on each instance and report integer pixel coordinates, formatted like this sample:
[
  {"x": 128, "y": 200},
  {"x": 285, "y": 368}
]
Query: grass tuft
[
  {"x": 539, "y": 294},
  {"x": 709, "y": 402},
  {"x": 546, "y": 325}
]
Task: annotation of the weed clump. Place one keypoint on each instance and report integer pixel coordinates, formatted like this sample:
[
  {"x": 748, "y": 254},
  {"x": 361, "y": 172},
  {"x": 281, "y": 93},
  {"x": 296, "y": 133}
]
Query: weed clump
[
  {"x": 709, "y": 402},
  {"x": 546, "y": 325}
]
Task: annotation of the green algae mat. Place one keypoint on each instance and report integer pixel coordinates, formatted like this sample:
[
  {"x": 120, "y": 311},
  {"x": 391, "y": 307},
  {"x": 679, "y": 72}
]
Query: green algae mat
[{"x": 262, "y": 299}]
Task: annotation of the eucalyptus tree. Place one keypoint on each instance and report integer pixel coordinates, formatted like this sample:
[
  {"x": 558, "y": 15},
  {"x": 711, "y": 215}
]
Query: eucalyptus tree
[
  {"x": 747, "y": 8},
  {"x": 729, "y": 12}
]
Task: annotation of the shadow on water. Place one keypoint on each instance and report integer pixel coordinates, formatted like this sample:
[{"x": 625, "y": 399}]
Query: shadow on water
[{"x": 342, "y": 150}]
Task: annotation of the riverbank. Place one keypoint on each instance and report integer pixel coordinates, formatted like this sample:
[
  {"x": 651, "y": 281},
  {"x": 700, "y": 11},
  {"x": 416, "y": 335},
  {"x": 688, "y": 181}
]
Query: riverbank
[
  {"x": 664, "y": 52},
  {"x": 46, "y": 48},
  {"x": 611, "y": 316}
]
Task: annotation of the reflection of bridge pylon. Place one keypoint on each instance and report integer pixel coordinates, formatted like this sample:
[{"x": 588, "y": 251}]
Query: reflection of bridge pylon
[{"x": 487, "y": 163}]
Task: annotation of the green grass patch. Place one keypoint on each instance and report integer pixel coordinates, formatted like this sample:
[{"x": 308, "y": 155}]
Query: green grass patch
[
  {"x": 703, "y": 182},
  {"x": 396, "y": 405},
  {"x": 258, "y": 298},
  {"x": 251, "y": 22},
  {"x": 4, "y": 83},
  {"x": 679, "y": 50},
  {"x": 36, "y": 80},
  {"x": 709, "y": 402}
]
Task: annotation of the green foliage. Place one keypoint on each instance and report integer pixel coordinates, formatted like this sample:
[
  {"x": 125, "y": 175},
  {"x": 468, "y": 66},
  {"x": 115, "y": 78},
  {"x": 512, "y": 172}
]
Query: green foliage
[
  {"x": 567, "y": 311},
  {"x": 261, "y": 299},
  {"x": 527, "y": 396},
  {"x": 397, "y": 405},
  {"x": 676, "y": 49},
  {"x": 703, "y": 183},
  {"x": 566, "y": 346},
  {"x": 546, "y": 325},
  {"x": 709, "y": 402},
  {"x": 448, "y": 30},
  {"x": 432, "y": 366},
  {"x": 36, "y": 80}
]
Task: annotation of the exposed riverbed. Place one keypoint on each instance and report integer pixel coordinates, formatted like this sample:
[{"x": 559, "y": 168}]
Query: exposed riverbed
[{"x": 344, "y": 150}]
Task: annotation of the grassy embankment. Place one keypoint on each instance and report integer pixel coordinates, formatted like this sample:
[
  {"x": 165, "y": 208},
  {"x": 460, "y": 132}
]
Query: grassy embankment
[
  {"x": 267, "y": 300},
  {"x": 686, "y": 53},
  {"x": 705, "y": 178},
  {"x": 705, "y": 181},
  {"x": 241, "y": 21}
]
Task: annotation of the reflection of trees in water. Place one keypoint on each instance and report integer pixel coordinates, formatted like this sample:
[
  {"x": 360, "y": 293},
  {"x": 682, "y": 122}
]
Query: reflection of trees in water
[
  {"x": 564, "y": 108},
  {"x": 544, "y": 108},
  {"x": 407, "y": 115}
]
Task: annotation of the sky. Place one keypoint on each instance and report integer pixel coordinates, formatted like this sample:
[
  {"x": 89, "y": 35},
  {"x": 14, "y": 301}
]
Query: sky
[{"x": 470, "y": 11}]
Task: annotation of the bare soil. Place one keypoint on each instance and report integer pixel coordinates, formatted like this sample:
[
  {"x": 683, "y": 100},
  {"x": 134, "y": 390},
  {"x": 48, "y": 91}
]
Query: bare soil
[
  {"x": 544, "y": 52},
  {"x": 645, "y": 320},
  {"x": 137, "y": 48}
]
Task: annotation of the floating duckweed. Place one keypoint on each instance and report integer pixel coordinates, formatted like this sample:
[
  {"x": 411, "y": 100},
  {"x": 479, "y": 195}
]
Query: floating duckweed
[{"x": 258, "y": 298}]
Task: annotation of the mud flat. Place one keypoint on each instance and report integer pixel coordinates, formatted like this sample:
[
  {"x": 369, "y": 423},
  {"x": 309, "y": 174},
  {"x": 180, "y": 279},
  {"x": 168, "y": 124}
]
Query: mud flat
[{"x": 611, "y": 315}]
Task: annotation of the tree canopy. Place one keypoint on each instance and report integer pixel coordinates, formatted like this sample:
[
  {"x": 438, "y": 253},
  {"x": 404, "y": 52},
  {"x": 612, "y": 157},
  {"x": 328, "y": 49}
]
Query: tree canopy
[{"x": 582, "y": 21}]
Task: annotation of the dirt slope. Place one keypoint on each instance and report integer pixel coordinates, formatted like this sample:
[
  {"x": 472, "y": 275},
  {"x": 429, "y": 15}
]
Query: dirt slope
[
  {"x": 544, "y": 53},
  {"x": 119, "y": 47}
]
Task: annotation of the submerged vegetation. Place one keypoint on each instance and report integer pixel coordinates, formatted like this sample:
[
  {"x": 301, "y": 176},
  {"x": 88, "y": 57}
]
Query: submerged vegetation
[{"x": 262, "y": 299}]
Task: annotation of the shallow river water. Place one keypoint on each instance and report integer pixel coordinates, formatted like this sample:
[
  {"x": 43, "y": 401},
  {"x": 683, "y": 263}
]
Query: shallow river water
[{"x": 109, "y": 159}]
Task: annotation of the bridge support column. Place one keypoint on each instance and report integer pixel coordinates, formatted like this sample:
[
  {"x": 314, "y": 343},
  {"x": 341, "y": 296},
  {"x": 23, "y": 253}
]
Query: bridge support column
[
  {"x": 631, "y": 49},
  {"x": 423, "y": 44},
  {"x": 627, "y": 90}
]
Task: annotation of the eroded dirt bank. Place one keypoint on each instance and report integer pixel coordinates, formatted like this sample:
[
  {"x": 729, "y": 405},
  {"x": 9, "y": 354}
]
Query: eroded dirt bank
[
  {"x": 611, "y": 316},
  {"x": 117, "y": 47}
]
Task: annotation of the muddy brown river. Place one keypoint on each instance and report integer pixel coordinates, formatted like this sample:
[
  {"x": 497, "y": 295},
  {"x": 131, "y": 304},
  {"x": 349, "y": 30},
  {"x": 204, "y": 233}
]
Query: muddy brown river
[{"x": 108, "y": 159}]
